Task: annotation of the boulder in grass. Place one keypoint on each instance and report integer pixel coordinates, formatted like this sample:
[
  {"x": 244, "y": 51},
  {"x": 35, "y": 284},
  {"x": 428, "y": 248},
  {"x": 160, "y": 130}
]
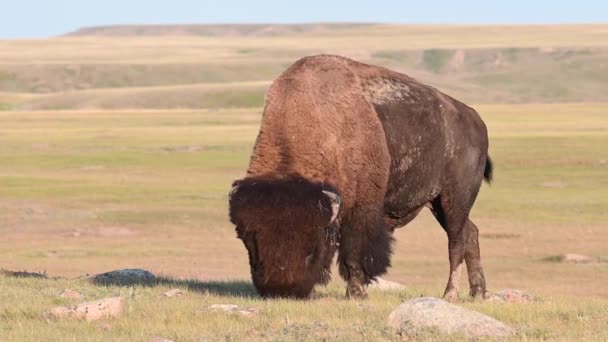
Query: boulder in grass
[
  {"x": 129, "y": 276},
  {"x": 90, "y": 311},
  {"x": 426, "y": 313}
]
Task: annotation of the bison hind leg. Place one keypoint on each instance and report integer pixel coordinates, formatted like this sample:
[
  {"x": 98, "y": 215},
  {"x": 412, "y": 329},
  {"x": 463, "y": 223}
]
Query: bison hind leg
[{"x": 451, "y": 209}]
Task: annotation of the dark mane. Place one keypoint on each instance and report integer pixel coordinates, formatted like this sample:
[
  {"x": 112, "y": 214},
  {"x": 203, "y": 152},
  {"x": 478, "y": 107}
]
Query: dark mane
[
  {"x": 282, "y": 221},
  {"x": 293, "y": 201}
]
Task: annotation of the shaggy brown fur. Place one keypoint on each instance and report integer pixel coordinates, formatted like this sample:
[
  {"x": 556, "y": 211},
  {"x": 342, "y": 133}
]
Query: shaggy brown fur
[
  {"x": 284, "y": 213},
  {"x": 386, "y": 145}
]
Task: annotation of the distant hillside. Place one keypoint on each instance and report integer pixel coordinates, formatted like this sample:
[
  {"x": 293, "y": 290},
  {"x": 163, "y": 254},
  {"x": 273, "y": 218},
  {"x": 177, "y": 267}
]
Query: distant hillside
[
  {"x": 228, "y": 66},
  {"x": 214, "y": 30}
]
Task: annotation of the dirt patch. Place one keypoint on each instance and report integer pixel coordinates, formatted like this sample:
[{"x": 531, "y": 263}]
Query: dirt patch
[
  {"x": 184, "y": 148},
  {"x": 572, "y": 258},
  {"x": 115, "y": 231},
  {"x": 554, "y": 185}
]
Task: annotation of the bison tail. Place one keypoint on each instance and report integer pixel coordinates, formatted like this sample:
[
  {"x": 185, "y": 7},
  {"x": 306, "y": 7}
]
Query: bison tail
[{"x": 487, "y": 173}]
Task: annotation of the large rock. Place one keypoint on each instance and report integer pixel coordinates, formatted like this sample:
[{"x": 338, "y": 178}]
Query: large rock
[
  {"x": 427, "y": 313},
  {"x": 91, "y": 311},
  {"x": 129, "y": 276},
  {"x": 382, "y": 284}
]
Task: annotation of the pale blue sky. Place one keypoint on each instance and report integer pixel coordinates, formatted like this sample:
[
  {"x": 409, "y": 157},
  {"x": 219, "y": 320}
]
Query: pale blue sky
[{"x": 43, "y": 18}]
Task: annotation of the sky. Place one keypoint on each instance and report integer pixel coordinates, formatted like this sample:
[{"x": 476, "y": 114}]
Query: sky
[{"x": 44, "y": 18}]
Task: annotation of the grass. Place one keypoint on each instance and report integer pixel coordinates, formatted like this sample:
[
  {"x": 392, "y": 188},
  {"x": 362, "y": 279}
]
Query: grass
[
  {"x": 147, "y": 314},
  {"x": 119, "y": 152},
  {"x": 435, "y": 59},
  {"x": 84, "y": 192}
]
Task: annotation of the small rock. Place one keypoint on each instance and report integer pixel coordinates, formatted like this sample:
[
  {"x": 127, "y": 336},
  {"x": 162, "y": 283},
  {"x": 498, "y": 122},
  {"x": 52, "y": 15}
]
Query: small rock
[
  {"x": 129, "y": 276},
  {"x": 365, "y": 306},
  {"x": 554, "y": 184},
  {"x": 431, "y": 313},
  {"x": 511, "y": 296},
  {"x": 67, "y": 293},
  {"x": 577, "y": 258},
  {"x": 234, "y": 309},
  {"x": 90, "y": 311},
  {"x": 383, "y": 284},
  {"x": 159, "y": 339},
  {"x": 104, "y": 326},
  {"x": 173, "y": 293}
]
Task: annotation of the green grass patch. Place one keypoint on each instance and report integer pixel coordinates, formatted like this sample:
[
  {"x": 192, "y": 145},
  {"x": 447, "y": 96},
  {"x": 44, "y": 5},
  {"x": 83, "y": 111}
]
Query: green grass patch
[{"x": 435, "y": 59}]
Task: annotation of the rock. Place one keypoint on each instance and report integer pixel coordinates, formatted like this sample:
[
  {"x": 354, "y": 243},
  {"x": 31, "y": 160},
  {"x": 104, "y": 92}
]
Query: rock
[
  {"x": 576, "y": 258},
  {"x": 383, "y": 284},
  {"x": 511, "y": 296},
  {"x": 427, "y": 313},
  {"x": 129, "y": 276},
  {"x": 365, "y": 306},
  {"x": 173, "y": 293},
  {"x": 234, "y": 309},
  {"x": 159, "y": 339},
  {"x": 90, "y": 311},
  {"x": 67, "y": 293}
]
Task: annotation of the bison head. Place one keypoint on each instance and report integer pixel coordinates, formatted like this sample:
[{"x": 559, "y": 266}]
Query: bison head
[{"x": 289, "y": 228}]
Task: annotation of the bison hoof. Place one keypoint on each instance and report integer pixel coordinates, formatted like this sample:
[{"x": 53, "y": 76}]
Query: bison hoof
[
  {"x": 451, "y": 295},
  {"x": 478, "y": 293},
  {"x": 356, "y": 292}
]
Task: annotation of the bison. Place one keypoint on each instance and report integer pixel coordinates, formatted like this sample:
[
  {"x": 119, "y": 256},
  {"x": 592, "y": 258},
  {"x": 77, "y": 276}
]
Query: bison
[{"x": 346, "y": 153}]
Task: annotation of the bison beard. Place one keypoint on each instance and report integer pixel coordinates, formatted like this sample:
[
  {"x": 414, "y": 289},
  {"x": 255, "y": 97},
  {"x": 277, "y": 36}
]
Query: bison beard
[{"x": 286, "y": 227}]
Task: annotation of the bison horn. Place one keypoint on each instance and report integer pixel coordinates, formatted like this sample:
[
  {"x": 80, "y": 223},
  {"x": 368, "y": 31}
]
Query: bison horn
[
  {"x": 233, "y": 191},
  {"x": 335, "y": 200}
]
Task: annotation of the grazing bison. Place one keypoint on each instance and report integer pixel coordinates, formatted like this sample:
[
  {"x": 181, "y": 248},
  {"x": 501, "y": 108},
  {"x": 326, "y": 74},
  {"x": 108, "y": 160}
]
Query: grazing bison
[{"x": 346, "y": 153}]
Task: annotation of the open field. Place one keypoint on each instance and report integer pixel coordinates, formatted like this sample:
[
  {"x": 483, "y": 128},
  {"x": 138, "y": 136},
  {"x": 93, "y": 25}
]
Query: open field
[
  {"x": 479, "y": 64},
  {"x": 84, "y": 192},
  {"x": 118, "y": 146}
]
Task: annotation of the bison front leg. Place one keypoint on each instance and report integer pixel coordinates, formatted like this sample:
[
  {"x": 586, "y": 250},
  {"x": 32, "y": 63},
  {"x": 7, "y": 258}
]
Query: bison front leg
[{"x": 365, "y": 248}]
